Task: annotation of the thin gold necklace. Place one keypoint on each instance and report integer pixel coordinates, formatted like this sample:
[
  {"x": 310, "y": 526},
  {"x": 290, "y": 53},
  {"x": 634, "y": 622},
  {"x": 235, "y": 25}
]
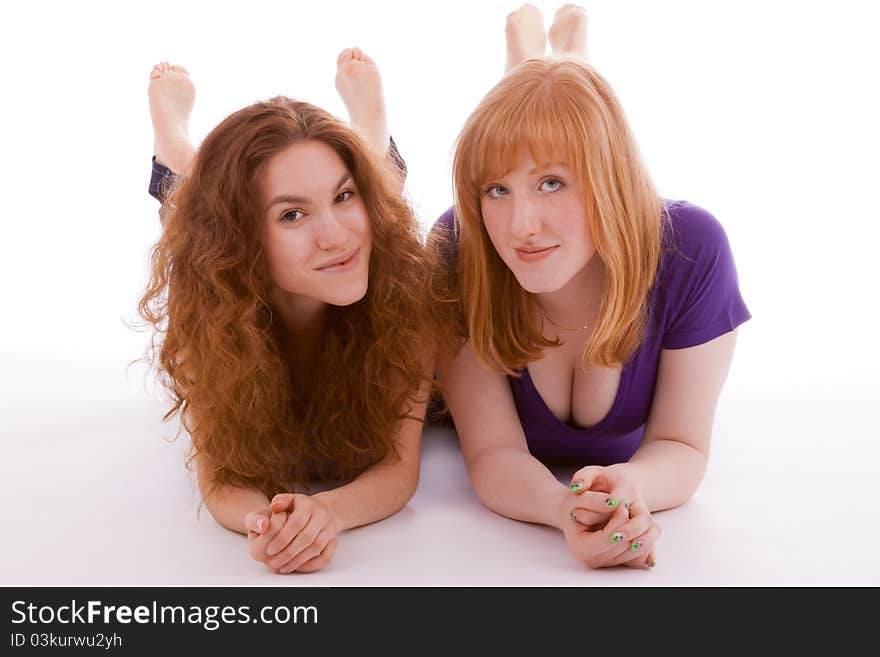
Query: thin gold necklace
[{"x": 566, "y": 328}]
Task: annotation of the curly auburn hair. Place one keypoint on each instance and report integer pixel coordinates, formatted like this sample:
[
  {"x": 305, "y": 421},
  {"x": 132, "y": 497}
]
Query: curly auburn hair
[{"x": 253, "y": 421}]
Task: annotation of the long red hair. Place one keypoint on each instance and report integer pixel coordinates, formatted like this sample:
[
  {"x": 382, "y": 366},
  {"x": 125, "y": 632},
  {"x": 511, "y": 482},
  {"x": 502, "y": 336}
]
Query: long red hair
[{"x": 557, "y": 110}]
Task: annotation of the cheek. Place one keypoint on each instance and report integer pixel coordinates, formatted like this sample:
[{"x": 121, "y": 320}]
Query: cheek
[
  {"x": 494, "y": 224},
  {"x": 361, "y": 224},
  {"x": 286, "y": 255},
  {"x": 573, "y": 226}
]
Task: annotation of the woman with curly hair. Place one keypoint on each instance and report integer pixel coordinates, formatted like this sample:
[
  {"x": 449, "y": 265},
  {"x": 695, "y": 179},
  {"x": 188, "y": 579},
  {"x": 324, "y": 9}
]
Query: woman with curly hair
[
  {"x": 287, "y": 295},
  {"x": 597, "y": 320}
]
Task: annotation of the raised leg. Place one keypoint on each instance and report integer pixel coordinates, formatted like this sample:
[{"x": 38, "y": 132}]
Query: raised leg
[
  {"x": 525, "y": 36},
  {"x": 172, "y": 95},
  {"x": 568, "y": 34},
  {"x": 360, "y": 86}
]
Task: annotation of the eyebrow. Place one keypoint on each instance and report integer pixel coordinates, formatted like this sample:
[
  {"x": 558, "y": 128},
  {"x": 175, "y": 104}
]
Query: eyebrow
[
  {"x": 302, "y": 200},
  {"x": 543, "y": 167}
]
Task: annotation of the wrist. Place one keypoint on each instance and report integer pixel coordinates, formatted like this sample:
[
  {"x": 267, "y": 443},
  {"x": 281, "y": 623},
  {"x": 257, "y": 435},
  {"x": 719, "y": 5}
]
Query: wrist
[
  {"x": 562, "y": 503},
  {"x": 330, "y": 502}
]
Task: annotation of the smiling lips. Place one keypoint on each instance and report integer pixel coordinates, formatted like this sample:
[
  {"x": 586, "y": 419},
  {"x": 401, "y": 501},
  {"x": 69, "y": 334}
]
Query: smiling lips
[
  {"x": 343, "y": 263},
  {"x": 534, "y": 254}
]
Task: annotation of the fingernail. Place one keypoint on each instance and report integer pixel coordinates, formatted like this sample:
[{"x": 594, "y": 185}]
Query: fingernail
[
  {"x": 653, "y": 563},
  {"x": 572, "y": 516},
  {"x": 625, "y": 501},
  {"x": 261, "y": 523},
  {"x": 616, "y": 537},
  {"x": 611, "y": 502},
  {"x": 576, "y": 486},
  {"x": 275, "y": 563},
  {"x": 636, "y": 546}
]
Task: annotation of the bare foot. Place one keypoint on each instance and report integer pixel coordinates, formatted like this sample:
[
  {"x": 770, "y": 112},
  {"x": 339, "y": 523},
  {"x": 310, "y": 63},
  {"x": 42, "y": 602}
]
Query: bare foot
[
  {"x": 568, "y": 34},
  {"x": 172, "y": 95},
  {"x": 525, "y": 35},
  {"x": 360, "y": 87}
]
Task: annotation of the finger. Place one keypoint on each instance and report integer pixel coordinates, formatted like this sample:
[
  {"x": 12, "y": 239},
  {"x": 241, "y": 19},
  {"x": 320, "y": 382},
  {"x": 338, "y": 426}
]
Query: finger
[
  {"x": 310, "y": 552},
  {"x": 590, "y": 519},
  {"x": 640, "y": 521},
  {"x": 640, "y": 545},
  {"x": 283, "y": 502},
  {"x": 257, "y": 542},
  {"x": 583, "y": 479},
  {"x": 647, "y": 563},
  {"x": 597, "y": 501},
  {"x": 256, "y": 521},
  {"x": 296, "y": 520},
  {"x": 612, "y": 538},
  {"x": 634, "y": 527},
  {"x": 301, "y": 541},
  {"x": 321, "y": 560},
  {"x": 599, "y": 549}
]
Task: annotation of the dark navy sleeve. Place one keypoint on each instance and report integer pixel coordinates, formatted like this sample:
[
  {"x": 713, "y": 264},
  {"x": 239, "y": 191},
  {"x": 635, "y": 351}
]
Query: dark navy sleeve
[
  {"x": 396, "y": 158},
  {"x": 160, "y": 181},
  {"x": 704, "y": 295}
]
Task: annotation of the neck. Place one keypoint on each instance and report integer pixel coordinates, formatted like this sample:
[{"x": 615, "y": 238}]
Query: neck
[
  {"x": 303, "y": 321},
  {"x": 577, "y": 302}
]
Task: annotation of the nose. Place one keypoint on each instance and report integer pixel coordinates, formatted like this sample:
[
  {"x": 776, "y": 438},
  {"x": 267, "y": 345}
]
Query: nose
[
  {"x": 332, "y": 233},
  {"x": 525, "y": 219}
]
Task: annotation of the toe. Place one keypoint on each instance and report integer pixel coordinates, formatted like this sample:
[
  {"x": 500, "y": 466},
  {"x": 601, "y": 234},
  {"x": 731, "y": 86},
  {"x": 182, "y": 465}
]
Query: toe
[
  {"x": 344, "y": 56},
  {"x": 362, "y": 56},
  {"x": 179, "y": 69}
]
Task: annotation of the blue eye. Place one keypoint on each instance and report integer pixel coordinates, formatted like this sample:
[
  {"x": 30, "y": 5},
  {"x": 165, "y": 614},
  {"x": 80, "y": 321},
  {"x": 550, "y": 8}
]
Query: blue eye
[
  {"x": 551, "y": 185},
  {"x": 344, "y": 196},
  {"x": 291, "y": 216},
  {"x": 495, "y": 191}
]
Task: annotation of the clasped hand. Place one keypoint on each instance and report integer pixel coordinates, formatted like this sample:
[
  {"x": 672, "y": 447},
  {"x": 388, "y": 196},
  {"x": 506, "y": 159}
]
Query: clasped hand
[
  {"x": 609, "y": 523},
  {"x": 296, "y": 533}
]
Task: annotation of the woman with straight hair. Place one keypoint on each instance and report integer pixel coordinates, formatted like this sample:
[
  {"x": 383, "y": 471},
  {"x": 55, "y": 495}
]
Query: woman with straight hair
[
  {"x": 596, "y": 320},
  {"x": 287, "y": 295}
]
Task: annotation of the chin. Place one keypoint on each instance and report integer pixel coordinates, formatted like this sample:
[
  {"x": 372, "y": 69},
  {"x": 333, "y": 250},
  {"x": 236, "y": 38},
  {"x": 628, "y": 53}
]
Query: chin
[
  {"x": 538, "y": 285},
  {"x": 348, "y": 296}
]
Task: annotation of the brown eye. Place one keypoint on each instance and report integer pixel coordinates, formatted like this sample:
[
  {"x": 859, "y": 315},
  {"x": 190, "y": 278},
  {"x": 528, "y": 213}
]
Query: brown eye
[
  {"x": 344, "y": 196},
  {"x": 291, "y": 216}
]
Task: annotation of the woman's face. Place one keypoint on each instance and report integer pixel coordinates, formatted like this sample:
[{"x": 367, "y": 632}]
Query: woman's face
[
  {"x": 536, "y": 219},
  {"x": 316, "y": 230}
]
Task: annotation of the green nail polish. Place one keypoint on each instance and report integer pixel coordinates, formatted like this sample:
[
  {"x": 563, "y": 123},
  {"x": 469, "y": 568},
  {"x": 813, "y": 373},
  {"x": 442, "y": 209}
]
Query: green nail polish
[
  {"x": 576, "y": 486},
  {"x": 653, "y": 563},
  {"x": 611, "y": 502},
  {"x": 636, "y": 546},
  {"x": 616, "y": 537}
]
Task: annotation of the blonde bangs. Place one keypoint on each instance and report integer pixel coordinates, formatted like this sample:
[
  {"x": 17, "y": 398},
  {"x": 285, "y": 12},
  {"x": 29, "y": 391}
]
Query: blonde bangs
[{"x": 517, "y": 121}]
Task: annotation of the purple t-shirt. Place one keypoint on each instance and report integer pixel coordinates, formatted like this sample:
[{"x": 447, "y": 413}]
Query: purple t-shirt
[{"x": 695, "y": 299}]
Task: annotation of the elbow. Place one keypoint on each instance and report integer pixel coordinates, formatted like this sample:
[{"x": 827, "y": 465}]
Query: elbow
[{"x": 480, "y": 469}]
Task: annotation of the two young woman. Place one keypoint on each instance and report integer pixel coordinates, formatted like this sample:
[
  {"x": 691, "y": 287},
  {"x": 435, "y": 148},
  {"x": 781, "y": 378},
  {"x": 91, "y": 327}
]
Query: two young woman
[{"x": 596, "y": 320}]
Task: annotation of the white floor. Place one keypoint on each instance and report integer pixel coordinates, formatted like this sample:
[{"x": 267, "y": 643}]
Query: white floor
[{"x": 92, "y": 494}]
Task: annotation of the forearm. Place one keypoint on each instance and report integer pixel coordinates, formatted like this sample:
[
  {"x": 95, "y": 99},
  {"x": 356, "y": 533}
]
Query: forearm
[
  {"x": 230, "y": 504},
  {"x": 666, "y": 472},
  {"x": 380, "y": 491},
  {"x": 513, "y": 483}
]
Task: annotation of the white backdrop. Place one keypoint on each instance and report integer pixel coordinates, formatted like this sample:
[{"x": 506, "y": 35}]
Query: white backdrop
[{"x": 763, "y": 113}]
